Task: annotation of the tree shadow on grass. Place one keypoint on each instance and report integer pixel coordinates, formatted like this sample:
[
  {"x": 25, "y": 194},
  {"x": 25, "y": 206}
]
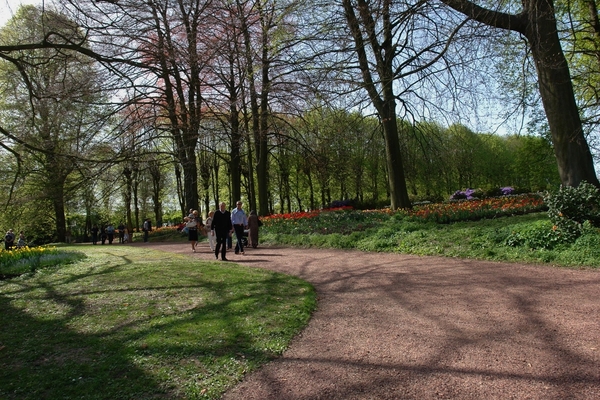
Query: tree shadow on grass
[
  {"x": 45, "y": 359},
  {"x": 153, "y": 351}
]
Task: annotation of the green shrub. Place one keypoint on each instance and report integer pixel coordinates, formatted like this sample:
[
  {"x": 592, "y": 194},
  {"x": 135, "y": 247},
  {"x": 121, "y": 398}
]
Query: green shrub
[
  {"x": 538, "y": 235},
  {"x": 570, "y": 207}
]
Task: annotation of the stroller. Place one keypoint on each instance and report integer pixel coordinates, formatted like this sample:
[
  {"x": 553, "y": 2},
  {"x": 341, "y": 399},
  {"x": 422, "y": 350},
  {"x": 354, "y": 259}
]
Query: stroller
[{"x": 245, "y": 238}]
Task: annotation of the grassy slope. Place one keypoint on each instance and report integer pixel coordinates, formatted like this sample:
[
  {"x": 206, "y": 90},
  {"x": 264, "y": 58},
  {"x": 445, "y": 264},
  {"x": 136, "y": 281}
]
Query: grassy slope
[{"x": 486, "y": 239}]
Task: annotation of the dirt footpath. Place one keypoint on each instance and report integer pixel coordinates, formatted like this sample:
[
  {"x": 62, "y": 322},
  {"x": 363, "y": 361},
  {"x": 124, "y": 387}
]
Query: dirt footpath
[{"x": 392, "y": 326}]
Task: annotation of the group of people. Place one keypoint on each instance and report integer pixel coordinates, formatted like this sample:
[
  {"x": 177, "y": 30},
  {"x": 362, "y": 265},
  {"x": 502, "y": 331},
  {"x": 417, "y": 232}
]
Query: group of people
[
  {"x": 225, "y": 224},
  {"x": 221, "y": 226},
  {"x": 10, "y": 238},
  {"x": 108, "y": 234}
]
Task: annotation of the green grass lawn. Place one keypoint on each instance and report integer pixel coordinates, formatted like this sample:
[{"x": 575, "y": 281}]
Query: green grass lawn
[{"x": 129, "y": 323}]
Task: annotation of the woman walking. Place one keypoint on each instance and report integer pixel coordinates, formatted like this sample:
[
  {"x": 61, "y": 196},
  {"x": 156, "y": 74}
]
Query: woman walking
[
  {"x": 212, "y": 240},
  {"x": 192, "y": 227},
  {"x": 253, "y": 224}
]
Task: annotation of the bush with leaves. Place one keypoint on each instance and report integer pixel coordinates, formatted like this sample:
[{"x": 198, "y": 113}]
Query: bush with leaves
[
  {"x": 570, "y": 207},
  {"x": 538, "y": 235}
]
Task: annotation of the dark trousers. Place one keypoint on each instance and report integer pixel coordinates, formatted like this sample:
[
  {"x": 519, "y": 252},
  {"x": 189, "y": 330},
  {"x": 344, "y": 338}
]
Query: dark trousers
[
  {"x": 239, "y": 235},
  {"x": 221, "y": 243},
  {"x": 145, "y": 235}
]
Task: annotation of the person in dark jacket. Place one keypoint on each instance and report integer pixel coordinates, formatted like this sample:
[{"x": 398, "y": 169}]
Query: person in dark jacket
[
  {"x": 9, "y": 240},
  {"x": 253, "y": 225},
  {"x": 221, "y": 227}
]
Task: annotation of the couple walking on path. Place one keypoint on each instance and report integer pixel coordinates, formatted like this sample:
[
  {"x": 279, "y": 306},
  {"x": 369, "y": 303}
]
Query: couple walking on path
[
  {"x": 224, "y": 224},
  {"x": 393, "y": 326}
]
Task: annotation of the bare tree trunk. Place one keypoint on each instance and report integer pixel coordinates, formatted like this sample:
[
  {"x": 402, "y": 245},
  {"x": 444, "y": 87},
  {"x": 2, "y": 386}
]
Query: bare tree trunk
[
  {"x": 127, "y": 195},
  {"x": 384, "y": 103},
  {"x": 180, "y": 190},
  {"x": 236, "y": 138},
  {"x": 575, "y": 163},
  {"x": 155, "y": 173},
  {"x": 58, "y": 203},
  {"x": 537, "y": 23},
  {"x": 262, "y": 163},
  {"x": 135, "y": 188}
]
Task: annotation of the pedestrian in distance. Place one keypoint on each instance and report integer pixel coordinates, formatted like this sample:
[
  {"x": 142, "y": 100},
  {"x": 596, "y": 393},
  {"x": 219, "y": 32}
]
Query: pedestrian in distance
[
  {"x": 95, "y": 231},
  {"x": 110, "y": 233},
  {"x": 103, "y": 235},
  {"x": 199, "y": 225},
  {"x": 9, "y": 239},
  {"x": 192, "y": 227},
  {"x": 121, "y": 229},
  {"x": 253, "y": 224},
  {"x": 212, "y": 242},
  {"x": 21, "y": 242},
  {"x": 221, "y": 228},
  {"x": 147, "y": 227}
]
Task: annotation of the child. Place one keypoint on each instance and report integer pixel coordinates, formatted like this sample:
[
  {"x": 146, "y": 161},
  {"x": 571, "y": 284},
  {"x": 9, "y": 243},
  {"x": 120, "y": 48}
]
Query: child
[
  {"x": 126, "y": 236},
  {"x": 21, "y": 242}
]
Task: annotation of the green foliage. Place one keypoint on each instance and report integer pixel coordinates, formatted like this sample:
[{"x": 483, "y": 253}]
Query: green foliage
[
  {"x": 173, "y": 216},
  {"x": 585, "y": 250},
  {"x": 520, "y": 238},
  {"x": 537, "y": 235},
  {"x": 570, "y": 207}
]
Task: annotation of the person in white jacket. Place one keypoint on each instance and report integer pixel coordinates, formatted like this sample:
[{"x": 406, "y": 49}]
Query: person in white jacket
[{"x": 212, "y": 240}]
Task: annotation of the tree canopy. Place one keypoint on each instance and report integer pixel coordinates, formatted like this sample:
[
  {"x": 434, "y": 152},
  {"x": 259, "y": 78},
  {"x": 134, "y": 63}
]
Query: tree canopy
[{"x": 125, "y": 110}]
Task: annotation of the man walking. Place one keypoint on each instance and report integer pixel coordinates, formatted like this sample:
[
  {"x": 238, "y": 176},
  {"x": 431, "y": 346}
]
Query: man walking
[
  {"x": 110, "y": 233},
  {"x": 147, "y": 227},
  {"x": 221, "y": 228},
  {"x": 239, "y": 222},
  {"x": 121, "y": 229}
]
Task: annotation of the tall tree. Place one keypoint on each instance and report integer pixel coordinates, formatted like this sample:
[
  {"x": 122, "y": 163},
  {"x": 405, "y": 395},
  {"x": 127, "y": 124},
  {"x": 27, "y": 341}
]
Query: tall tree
[
  {"x": 179, "y": 56},
  {"x": 50, "y": 95},
  {"x": 537, "y": 23},
  {"x": 363, "y": 29},
  {"x": 398, "y": 45}
]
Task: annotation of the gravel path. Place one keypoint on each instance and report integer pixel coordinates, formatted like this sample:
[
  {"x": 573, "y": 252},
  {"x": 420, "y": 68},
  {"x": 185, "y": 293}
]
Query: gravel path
[{"x": 392, "y": 326}]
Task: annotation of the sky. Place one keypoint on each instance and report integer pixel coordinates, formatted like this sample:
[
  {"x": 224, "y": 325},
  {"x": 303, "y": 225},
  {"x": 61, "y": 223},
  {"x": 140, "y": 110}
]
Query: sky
[{"x": 9, "y": 7}]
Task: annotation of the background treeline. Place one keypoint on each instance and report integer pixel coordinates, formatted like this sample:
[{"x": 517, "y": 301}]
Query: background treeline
[
  {"x": 120, "y": 111},
  {"x": 322, "y": 159}
]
